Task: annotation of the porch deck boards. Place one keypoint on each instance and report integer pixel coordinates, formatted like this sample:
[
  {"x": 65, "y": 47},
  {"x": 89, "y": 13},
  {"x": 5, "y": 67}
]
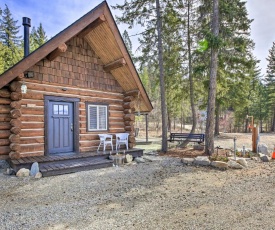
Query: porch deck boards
[{"x": 61, "y": 164}]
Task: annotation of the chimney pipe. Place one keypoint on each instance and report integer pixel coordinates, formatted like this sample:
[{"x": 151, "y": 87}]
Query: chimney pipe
[{"x": 27, "y": 24}]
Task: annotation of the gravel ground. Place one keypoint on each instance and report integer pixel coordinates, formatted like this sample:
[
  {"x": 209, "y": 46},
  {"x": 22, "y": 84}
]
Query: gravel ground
[{"x": 162, "y": 194}]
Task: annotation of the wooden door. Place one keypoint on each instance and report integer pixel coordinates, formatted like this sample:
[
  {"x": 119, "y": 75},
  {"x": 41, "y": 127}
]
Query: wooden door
[{"x": 60, "y": 127}]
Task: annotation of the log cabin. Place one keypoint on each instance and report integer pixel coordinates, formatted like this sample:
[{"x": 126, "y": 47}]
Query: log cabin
[{"x": 79, "y": 84}]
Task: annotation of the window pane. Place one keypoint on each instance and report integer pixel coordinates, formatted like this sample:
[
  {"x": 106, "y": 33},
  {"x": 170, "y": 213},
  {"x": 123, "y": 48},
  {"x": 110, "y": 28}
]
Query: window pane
[
  {"x": 66, "y": 110},
  {"x": 92, "y": 117},
  {"x": 60, "y": 109},
  {"x": 55, "y": 109},
  {"x": 102, "y": 119}
]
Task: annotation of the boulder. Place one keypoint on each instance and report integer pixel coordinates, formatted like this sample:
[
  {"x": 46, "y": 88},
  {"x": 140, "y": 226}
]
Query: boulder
[
  {"x": 202, "y": 160},
  {"x": 234, "y": 165},
  {"x": 128, "y": 158},
  {"x": 152, "y": 158},
  {"x": 264, "y": 157},
  {"x": 23, "y": 172},
  {"x": 139, "y": 160},
  {"x": 187, "y": 161},
  {"x": 34, "y": 169},
  {"x": 219, "y": 164},
  {"x": 263, "y": 149},
  {"x": 242, "y": 162},
  {"x": 38, "y": 175}
]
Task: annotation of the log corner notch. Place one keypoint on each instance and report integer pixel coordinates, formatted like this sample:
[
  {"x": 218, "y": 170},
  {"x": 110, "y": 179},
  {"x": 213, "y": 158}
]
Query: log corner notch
[
  {"x": 114, "y": 65},
  {"x": 92, "y": 26},
  {"x": 62, "y": 48}
]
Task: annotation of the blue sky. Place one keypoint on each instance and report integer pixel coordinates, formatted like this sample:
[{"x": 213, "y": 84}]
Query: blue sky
[{"x": 57, "y": 15}]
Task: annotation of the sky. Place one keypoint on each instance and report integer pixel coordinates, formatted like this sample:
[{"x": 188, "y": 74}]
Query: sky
[{"x": 58, "y": 14}]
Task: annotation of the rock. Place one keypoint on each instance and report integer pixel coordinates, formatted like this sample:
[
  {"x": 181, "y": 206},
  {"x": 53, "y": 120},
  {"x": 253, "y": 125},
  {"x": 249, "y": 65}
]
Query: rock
[
  {"x": 202, "y": 160},
  {"x": 198, "y": 147},
  {"x": 34, "y": 169},
  {"x": 263, "y": 149},
  {"x": 23, "y": 172},
  {"x": 38, "y": 175},
  {"x": 9, "y": 171},
  {"x": 128, "y": 158},
  {"x": 219, "y": 164},
  {"x": 264, "y": 157},
  {"x": 139, "y": 160},
  {"x": 152, "y": 158},
  {"x": 234, "y": 165},
  {"x": 242, "y": 162},
  {"x": 187, "y": 161}
]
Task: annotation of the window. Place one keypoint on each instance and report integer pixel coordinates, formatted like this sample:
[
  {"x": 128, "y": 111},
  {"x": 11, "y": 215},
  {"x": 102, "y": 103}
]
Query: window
[{"x": 97, "y": 117}]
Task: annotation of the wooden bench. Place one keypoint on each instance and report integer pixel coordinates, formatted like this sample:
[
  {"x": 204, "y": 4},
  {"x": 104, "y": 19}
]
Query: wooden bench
[{"x": 192, "y": 137}]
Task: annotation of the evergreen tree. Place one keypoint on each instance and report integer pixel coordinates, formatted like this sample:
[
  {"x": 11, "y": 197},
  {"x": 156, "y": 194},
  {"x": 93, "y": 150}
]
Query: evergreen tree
[
  {"x": 270, "y": 83},
  {"x": 37, "y": 37}
]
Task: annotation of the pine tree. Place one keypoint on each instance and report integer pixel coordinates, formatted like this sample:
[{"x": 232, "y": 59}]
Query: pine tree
[
  {"x": 10, "y": 40},
  {"x": 270, "y": 83},
  {"x": 37, "y": 37}
]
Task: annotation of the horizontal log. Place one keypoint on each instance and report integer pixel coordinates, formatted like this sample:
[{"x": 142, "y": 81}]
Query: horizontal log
[
  {"x": 32, "y": 154},
  {"x": 129, "y": 117},
  {"x": 15, "y": 104},
  {"x": 129, "y": 123},
  {"x": 5, "y": 125},
  {"x": 14, "y": 155},
  {"x": 33, "y": 110},
  {"x": 127, "y": 111},
  {"x": 129, "y": 105},
  {"x": 62, "y": 48},
  {"x": 16, "y": 96},
  {"x": 5, "y": 117},
  {"x": 4, "y": 150},
  {"x": 128, "y": 99},
  {"x": 31, "y": 133},
  {"x": 129, "y": 128},
  {"x": 33, "y": 140},
  {"x": 132, "y": 93},
  {"x": 32, "y": 125},
  {"x": 20, "y": 77},
  {"x": 5, "y": 93},
  {"x": 89, "y": 137},
  {"x": 132, "y": 139},
  {"x": 15, "y": 86},
  {"x": 5, "y": 134},
  {"x": 32, "y": 118},
  {"x": 32, "y": 148},
  {"x": 15, "y": 122},
  {"x": 5, "y": 109},
  {"x": 15, "y": 130},
  {"x": 25, "y": 101},
  {"x": 114, "y": 65},
  {"x": 4, "y": 142},
  {"x": 15, "y": 147},
  {"x": 116, "y": 114},
  {"x": 92, "y": 26},
  {"x": 15, "y": 113},
  {"x": 5, "y": 101},
  {"x": 14, "y": 138},
  {"x": 94, "y": 95}
]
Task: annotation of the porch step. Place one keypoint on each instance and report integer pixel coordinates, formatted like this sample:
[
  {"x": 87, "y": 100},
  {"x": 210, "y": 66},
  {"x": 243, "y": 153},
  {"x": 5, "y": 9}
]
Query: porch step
[
  {"x": 69, "y": 163},
  {"x": 76, "y": 165}
]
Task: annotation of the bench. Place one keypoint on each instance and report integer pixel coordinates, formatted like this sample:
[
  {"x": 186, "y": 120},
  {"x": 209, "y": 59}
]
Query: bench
[{"x": 192, "y": 137}]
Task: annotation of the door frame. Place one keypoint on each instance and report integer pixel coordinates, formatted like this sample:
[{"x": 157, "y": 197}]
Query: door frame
[{"x": 75, "y": 102}]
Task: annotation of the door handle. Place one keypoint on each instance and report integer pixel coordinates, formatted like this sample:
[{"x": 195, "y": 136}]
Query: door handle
[{"x": 72, "y": 127}]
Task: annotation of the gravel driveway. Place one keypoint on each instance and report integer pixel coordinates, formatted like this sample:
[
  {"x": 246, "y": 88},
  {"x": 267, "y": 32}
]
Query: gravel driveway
[{"x": 162, "y": 194}]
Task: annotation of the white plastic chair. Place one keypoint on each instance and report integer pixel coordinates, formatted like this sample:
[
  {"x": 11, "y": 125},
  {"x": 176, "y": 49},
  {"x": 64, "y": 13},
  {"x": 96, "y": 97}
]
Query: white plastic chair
[
  {"x": 121, "y": 138},
  {"x": 105, "y": 139}
]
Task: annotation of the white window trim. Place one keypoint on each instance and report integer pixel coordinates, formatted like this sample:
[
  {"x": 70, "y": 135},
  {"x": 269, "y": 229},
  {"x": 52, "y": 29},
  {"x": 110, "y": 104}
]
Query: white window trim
[{"x": 97, "y": 117}]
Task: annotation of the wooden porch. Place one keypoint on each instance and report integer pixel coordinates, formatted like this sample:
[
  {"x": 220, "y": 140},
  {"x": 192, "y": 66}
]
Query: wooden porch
[{"x": 61, "y": 164}]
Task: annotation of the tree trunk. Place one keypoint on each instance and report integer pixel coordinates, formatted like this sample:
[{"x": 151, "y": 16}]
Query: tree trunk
[
  {"x": 191, "y": 81},
  {"x": 161, "y": 78},
  {"x": 217, "y": 120},
  {"x": 209, "y": 133}
]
